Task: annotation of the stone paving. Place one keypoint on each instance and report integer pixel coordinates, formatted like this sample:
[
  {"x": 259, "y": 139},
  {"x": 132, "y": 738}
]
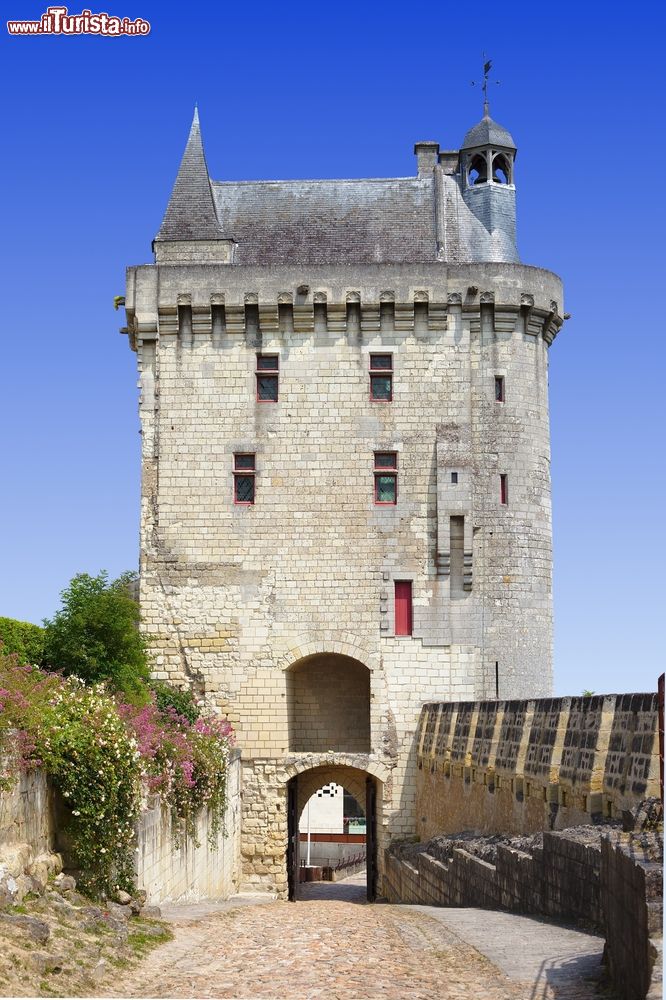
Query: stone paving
[{"x": 331, "y": 945}]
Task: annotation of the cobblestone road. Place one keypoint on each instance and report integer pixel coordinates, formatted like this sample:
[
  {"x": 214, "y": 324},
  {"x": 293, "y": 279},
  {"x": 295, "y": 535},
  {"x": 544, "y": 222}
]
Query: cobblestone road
[{"x": 336, "y": 949}]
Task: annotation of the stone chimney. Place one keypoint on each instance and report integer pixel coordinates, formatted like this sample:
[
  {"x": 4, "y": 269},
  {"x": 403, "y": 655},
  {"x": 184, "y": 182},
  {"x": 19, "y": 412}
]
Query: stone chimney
[{"x": 426, "y": 157}]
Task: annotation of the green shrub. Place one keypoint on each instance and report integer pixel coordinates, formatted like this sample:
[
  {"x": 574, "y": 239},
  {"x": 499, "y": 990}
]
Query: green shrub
[
  {"x": 95, "y": 635},
  {"x": 180, "y": 700},
  {"x": 22, "y": 638}
]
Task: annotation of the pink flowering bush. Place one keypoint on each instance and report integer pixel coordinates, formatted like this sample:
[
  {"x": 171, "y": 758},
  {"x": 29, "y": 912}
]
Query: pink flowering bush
[
  {"x": 25, "y": 697},
  {"x": 184, "y": 761},
  {"x": 101, "y": 755},
  {"x": 77, "y": 735}
]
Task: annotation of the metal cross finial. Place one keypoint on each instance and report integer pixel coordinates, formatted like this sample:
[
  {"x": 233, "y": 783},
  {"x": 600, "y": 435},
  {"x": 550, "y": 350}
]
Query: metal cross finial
[{"x": 487, "y": 64}]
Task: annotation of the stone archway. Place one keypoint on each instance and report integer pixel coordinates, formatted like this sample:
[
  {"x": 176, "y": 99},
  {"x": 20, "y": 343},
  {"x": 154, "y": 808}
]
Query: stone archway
[
  {"x": 365, "y": 788},
  {"x": 328, "y": 704}
]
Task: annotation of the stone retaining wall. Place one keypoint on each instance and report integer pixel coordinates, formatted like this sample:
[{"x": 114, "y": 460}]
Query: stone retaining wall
[
  {"x": 26, "y": 813},
  {"x": 524, "y": 766},
  {"x": 615, "y": 886},
  {"x": 167, "y": 872},
  {"x": 632, "y": 904},
  {"x": 192, "y": 870},
  {"x": 561, "y": 880}
]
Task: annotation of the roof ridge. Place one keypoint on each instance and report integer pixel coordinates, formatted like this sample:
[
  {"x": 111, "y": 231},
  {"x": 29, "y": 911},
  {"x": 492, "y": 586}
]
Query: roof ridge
[{"x": 321, "y": 180}]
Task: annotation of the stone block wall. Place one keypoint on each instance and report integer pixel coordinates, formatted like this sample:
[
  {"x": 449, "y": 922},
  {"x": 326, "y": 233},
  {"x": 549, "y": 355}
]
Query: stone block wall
[
  {"x": 523, "y": 766},
  {"x": 195, "y": 869},
  {"x": 28, "y": 821},
  {"x": 632, "y": 902},
  {"x": 615, "y": 885},
  {"x": 560, "y": 880},
  {"x": 27, "y": 813}
]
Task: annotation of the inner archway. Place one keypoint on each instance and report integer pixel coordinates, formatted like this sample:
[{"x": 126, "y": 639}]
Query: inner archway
[
  {"x": 328, "y": 704},
  {"x": 359, "y": 825}
]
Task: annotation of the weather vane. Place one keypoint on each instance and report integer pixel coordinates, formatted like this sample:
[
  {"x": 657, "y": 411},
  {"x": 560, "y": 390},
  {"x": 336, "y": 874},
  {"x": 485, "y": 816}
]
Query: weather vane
[{"x": 487, "y": 63}]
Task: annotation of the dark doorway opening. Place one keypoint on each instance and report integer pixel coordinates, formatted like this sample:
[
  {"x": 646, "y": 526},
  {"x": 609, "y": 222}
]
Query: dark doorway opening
[{"x": 295, "y": 846}]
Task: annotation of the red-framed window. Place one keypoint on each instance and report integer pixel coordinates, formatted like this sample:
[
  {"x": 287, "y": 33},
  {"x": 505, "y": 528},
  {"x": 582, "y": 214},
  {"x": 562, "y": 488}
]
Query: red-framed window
[
  {"x": 381, "y": 378},
  {"x": 504, "y": 488},
  {"x": 499, "y": 388},
  {"x": 244, "y": 478},
  {"x": 386, "y": 477},
  {"x": 403, "y": 607},
  {"x": 268, "y": 377}
]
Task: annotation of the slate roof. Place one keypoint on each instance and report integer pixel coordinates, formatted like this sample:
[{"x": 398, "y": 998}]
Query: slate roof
[
  {"x": 387, "y": 220},
  {"x": 390, "y": 221},
  {"x": 349, "y": 221},
  {"x": 488, "y": 133},
  {"x": 190, "y": 214}
]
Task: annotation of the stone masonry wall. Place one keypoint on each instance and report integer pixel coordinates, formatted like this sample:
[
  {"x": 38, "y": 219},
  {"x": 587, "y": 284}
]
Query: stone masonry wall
[
  {"x": 28, "y": 820},
  {"x": 195, "y": 869},
  {"x": 236, "y": 597},
  {"x": 524, "y": 766},
  {"x": 26, "y": 813},
  {"x": 615, "y": 885},
  {"x": 632, "y": 877},
  {"x": 560, "y": 880}
]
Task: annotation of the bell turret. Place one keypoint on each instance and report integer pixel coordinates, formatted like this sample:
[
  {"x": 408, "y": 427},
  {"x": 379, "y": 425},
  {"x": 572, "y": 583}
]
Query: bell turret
[
  {"x": 487, "y": 158},
  {"x": 488, "y": 153}
]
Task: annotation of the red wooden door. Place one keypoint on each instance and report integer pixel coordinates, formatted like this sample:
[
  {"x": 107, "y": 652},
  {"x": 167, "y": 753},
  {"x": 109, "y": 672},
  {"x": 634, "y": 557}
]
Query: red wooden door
[{"x": 403, "y": 607}]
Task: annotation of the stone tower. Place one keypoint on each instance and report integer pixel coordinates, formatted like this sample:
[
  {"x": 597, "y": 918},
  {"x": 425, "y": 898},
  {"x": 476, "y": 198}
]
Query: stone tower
[{"x": 345, "y": 468}]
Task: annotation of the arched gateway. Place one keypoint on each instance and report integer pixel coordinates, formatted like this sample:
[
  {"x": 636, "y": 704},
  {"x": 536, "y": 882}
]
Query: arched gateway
[{"x": 366, "y": 788}]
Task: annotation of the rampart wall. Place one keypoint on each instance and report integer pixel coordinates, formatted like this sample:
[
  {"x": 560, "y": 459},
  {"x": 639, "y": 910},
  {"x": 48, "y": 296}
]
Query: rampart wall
[
  {"x": 523, "y": 766},
  {"x": 520, "y": 767},
  {"x": 614, "y": 885}
]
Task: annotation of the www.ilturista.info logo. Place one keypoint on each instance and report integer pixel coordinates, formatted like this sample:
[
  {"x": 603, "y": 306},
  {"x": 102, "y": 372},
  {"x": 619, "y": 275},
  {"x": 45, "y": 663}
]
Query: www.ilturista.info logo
[{"x": 57, "y": 21}]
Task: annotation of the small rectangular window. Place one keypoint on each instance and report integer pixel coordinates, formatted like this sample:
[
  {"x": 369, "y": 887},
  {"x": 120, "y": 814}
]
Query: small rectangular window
[
  {"x": 244, "y": 476},
  {"x": 454, "y": 477},
  {"x": 499, "y": 388},
  {"x": 381, "y": 378},
  {"x": 504, "y": 488},
  {"x": 386, "y": 477},
  {"x": 403, "y": 607},
  {"x": 268, "y": 366}
]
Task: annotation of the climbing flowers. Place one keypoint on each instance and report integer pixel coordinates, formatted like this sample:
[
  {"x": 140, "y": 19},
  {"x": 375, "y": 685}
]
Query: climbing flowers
[
  {"x": 184, "y": 761},
  {"x": 103, "y": 756}
]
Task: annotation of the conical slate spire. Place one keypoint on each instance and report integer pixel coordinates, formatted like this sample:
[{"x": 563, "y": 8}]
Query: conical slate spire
[{"x": 191, "y": 214}]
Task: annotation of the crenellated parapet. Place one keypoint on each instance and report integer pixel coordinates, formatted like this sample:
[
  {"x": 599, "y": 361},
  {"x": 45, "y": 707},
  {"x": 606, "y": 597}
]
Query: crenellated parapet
[{"x": 205, "y": 301}]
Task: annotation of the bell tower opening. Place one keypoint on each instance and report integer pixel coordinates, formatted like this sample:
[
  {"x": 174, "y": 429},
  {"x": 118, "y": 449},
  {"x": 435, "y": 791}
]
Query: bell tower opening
[
  {"x": 477, "y": 170},
  {"x": 502, "y": 169}
]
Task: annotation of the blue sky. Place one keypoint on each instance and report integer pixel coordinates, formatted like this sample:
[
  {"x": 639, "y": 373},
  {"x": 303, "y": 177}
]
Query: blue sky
[{"x": 94, "y": 129}]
